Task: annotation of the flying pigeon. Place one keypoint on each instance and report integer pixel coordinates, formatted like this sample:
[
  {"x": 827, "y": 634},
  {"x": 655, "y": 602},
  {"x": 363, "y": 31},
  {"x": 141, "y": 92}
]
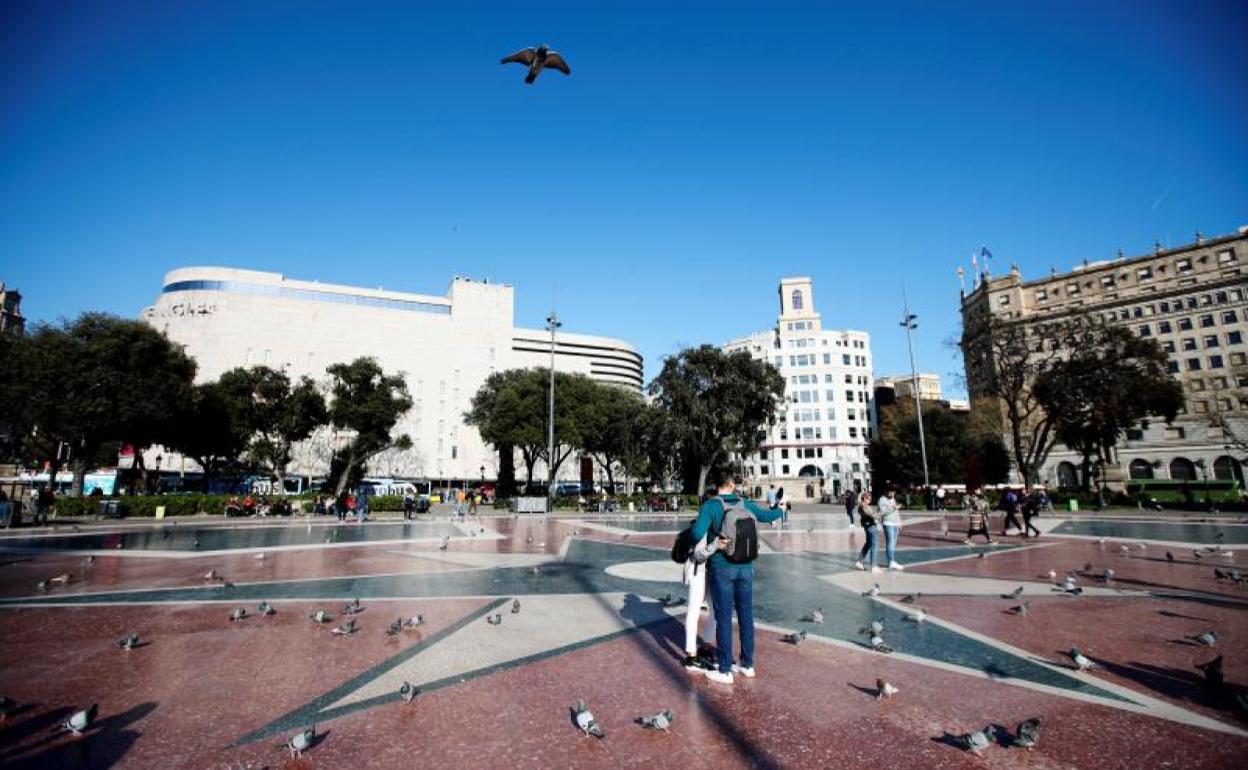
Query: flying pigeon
[
  {"x": 515, "y": 606},
  {"x": 321, "y": 616},
  {"x": 300, "y": 741},
  {"x": 877, "y": 644},
  {"x": 911, "y": 598},
  {"x": 346, "y": 629},
  {"x": 129, "y": 642},
  {"x": 1208, "y": 639},
  {"x": 494, "y": 620},
  {"x": 395, "y": 628},
  {"x": 1017, "y": 592},
  {"x": 1213, "y": 672},
  {"x": 408, "y": 692},
  {"x": 884, "y": 690},
  {"x": 814, "y": 616},
  {"x": 1028, "y": 733},
  {"x": 660, "y": 721},
  {"x": 979, "y": 740},
  {"x": 238, "y": 613},
  {"x": 795, "y": 638},
  {"x": 79, "y": 721},
  {"x": 1082, "y": 662},
  {"x": 585, "y": 720},
  {"x": 538, "y": 59},
  {"x": 873, "y": 591},
  {"x": 266, "y": 609},
  {"x": 414, "y": 622}
]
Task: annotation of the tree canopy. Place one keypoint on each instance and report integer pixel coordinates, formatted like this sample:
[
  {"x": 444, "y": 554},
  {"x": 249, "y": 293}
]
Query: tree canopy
[
  {"x": 274, "y": 412},
  {"x": 368, "y": 403}
]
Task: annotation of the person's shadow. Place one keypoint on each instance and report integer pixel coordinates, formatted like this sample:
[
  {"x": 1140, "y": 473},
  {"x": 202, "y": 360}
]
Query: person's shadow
[
  {"x": 666, "y": 631},
  {"x": 102, "y": 746}
]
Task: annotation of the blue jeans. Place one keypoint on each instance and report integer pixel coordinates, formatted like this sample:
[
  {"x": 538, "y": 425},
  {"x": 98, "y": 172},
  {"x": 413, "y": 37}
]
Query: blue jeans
[
  {"x": 891, "y": 531},
  {"x": 869, "y": 546},
  {"x": 732, "y": 585}
]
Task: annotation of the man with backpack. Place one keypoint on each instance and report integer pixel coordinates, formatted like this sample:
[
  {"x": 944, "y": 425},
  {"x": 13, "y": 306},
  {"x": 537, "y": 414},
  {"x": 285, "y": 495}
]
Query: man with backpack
[{"x": 733, "y": 524}]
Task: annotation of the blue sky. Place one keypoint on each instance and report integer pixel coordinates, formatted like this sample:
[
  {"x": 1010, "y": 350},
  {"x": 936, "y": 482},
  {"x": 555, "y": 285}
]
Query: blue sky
[{"x": 699, "y": 151}]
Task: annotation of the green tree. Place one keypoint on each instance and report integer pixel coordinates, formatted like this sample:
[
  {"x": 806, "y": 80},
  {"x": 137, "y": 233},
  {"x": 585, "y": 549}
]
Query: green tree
[
  {"x": 609, "y": 431},
  {"x": 955, "y": 453},
  {"x": 369, "y": 403},
  {"x": 274, "y": 413},
  {"x": 212, "y": 430},
  {"x": 92, "y": 382},
  {"x": 1109, "y": 383},
  {"x": 717, "y": 403},
  {"x": 509, "y": 411}
]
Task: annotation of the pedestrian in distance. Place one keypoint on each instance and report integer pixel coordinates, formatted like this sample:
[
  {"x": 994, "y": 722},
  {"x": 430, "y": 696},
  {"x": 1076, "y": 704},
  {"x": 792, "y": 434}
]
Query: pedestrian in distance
[
  {"x": 976, "y": 515},
  {"x": 732, "y": 521},
  {"x": 851, "y": 502},
  {"x": 1009, "y": 504},
  {"x": 870, "y": 528},
  {"x": 1031, "y": 509}
]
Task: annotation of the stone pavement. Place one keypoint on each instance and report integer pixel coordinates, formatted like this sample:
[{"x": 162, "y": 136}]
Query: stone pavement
[{"x": 204, "y": 692}]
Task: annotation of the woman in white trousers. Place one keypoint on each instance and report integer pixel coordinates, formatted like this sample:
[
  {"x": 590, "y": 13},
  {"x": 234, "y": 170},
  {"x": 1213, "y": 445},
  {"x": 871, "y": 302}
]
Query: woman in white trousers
[{"x": 695, "y": 578}]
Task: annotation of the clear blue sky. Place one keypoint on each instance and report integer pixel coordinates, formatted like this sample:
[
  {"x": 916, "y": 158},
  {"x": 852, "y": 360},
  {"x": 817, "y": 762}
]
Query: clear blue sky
[{"x": 699, "y": 151}]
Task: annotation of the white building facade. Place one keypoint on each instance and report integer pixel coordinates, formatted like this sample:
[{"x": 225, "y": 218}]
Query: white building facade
[
  {"x": 819, "y": 444},
  {"x": 445, "y": 346}
]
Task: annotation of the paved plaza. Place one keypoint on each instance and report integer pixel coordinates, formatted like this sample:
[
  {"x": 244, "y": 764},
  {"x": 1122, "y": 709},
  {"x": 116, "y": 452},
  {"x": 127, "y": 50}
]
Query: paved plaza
[{"x": 600, "y": 618}]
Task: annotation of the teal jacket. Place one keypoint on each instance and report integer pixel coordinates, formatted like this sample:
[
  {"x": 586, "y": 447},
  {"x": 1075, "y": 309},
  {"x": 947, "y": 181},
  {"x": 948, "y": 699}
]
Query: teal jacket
[{"x": 711, "y": 518}]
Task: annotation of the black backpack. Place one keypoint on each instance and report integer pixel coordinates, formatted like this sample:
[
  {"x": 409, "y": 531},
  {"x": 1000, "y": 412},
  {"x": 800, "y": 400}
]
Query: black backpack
[
  {"x": 682, "y": 549},
  {"x": 741, "y": 529}
]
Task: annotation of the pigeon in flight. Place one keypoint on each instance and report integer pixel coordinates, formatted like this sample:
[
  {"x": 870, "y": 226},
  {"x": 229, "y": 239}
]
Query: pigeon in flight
[
  {"x": 300, "y": 741},
  {"x": 585, "y": 720},
  {"x": 795, "y": 638},
  {"x": 884, "y": 690},
  {"x": 408, "y": 692},
  {"x": 238, "y": 613},
  {"x": 1213, "y": 672},
  {"x": 515, "y": 606},
  {"x": 79, "y": 721},
  {"x": 129, "y": 642},
  {"x": 1028, "y": 733},
  {"x": 538, "y": 59},
  {"x": 1208, "y": 639},
  {"x": 979, "y": 740},
  {"x": 494, "y": 620},
  {"x": 346, "y": 629},
  {"x": 814, "y": 616},
  {"x": 266, "y": 609},
  {"x": 660, "y": 721},
  {"x": 1081, "y": 661},
  {"x": 321, "y": 616}
]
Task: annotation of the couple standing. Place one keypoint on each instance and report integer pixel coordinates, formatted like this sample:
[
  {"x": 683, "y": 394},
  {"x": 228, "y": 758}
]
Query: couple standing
[{"x": 890, "y": 517}]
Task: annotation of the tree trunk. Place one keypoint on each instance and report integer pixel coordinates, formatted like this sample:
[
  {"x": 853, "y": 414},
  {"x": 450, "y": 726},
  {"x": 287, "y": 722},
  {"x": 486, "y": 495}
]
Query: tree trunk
[
  {"x": 347, "y": 467},
  {"x": 506, "y": 486},
  {"x": 703, "y": 472},
  {"x": 80, "y": 477}
]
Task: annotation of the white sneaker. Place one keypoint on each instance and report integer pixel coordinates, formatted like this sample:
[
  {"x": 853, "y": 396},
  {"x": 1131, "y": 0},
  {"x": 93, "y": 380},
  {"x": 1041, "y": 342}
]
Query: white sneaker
[
  {"x": 748, "y": 673},
  {"x": 876, "y": 570},
  {"x": 896, "y": 566},
  {"x": 718, "y": 676},
  {"x": 858, "y": 565}
]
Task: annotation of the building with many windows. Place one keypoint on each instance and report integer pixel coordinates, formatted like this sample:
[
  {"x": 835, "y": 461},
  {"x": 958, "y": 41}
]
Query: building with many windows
[
  {"x": 1192, "y": 299},
  {"x": 11, "y": 310},
  {"x": 444, "y": 345},
  {"x": 820, "y": 441}
]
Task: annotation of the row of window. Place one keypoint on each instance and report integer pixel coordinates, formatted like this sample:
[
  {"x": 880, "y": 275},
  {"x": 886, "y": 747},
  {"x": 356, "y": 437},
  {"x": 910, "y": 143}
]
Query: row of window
[
  {"x": 765, "y": 470},
  {"x": 1206, "y": 321},
  {"x": 813, "y": 379},
  {"x": 805, "y": 433},
  {"x": 812, "y": 359},
  {"x": 1219, "y": 383},
  {"x": 1143, "y": 274},
  {"x": 1210, "y": 341},
  {"x": 1194, "y": 364}
]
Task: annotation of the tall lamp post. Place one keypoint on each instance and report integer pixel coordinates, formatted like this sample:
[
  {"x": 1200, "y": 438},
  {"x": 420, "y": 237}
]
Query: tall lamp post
[
  {"x": 552, "y": 325},
  {"x": 910, "y": 322}
]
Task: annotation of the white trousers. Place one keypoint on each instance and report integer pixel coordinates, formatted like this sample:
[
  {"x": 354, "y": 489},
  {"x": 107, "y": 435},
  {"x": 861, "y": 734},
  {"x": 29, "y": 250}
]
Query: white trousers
[{"x": 697, "y": 592}]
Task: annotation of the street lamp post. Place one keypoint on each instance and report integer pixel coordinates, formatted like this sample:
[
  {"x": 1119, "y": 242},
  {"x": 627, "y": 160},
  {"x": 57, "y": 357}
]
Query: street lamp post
[
  {"x": 552, "y": 325},
  {"x": 910, "y": 322}
]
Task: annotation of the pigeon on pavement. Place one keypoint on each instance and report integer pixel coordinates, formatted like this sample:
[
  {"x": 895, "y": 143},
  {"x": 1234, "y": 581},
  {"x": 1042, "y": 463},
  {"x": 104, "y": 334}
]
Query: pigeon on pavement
[
  {"x": 1020, "y": 609},
  {"x": 1017, "y": 592},
  {"x": 395, "y": 628},
  {"x": 874, "y": 629},
  {"x": 585, "y": 720},
  {"x": 795, "y": 638},
  {"x": 515, "y": 606},
  {"x": 911, "y": 598},
  {"x": 873, "y": 591},
  {"x": 884, "y": 690},
  {"x": 814, "y": 616},
  {"x": 321, "y": 616},
  {"x": 238, "y": 613},
  {"x": 538, "y": 59},
  {"x": 266, "y": 609},
  {"x": 1213, "y": 672},
  {"x": 408, "y": 692},
  {"x": 919, "y": 616},
  {"x": 495, "y": 619},
  {"x": 877, "y": 644},
  {"x": 660, "y": 721},
  {"x": 129, "y": 642},
  {"x": 1028, "y": 733},
  {"x": 1208, "y": 638},
  {"x": 353, "y": 608},
  {"x": 300, "y": 741},
  {"x": 79, "y": 721},
  {"x": 1081, "y": 661},
  {"x": 979, "y": 740},
  {"x": 414, "y": 622},
  {"x": 1169, "y": 556},
  {"x": 1107, "y": 575},
  {"x": 347, "y": 628}
]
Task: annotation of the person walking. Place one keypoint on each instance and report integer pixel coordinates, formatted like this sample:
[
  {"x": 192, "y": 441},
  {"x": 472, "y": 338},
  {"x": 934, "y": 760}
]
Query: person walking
[
  {"x": 732, "y": 519},
  {"x": 851, "y": 501},
  {"x": 783, "y": 506},
  {"x": 1009, "y": 504},
  {"x": 866, "y": 517},
  {"x": 976, "y": 516},
  {"x": 361, "y": 510},
  {"x": 890, "y": 517},
  {"x": 1031, "y": 509}
]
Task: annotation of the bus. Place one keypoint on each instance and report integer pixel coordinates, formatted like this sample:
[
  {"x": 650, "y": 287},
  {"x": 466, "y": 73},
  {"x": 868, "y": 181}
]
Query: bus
[{"x": 1189, "y": 492}]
